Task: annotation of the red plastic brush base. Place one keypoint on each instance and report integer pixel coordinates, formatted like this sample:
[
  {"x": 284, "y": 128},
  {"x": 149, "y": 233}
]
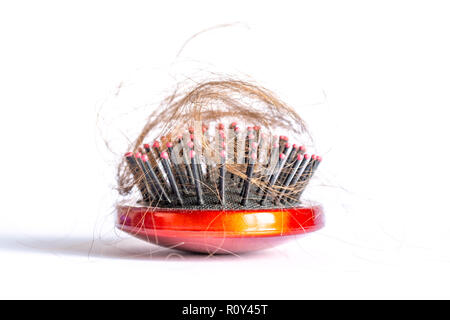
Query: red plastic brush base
[{"x": 218, "y": 231}]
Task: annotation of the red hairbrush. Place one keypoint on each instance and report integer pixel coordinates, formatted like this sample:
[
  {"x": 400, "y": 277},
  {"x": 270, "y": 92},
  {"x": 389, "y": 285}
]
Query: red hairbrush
[{"x": 230, "y": 191}]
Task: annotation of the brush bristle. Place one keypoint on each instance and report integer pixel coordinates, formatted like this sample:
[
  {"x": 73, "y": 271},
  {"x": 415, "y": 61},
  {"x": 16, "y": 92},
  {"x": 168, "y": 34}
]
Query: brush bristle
[{"x": 211, "y": 175}]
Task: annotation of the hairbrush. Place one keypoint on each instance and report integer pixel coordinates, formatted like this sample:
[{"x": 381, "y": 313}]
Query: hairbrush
[{"x": 208, "y": 187}]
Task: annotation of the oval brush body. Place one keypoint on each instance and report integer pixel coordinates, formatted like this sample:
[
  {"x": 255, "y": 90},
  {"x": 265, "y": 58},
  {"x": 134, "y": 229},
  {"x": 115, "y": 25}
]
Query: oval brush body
[
  {"x": 229, "y": 231},
  {"x": 240, "y": 204}
]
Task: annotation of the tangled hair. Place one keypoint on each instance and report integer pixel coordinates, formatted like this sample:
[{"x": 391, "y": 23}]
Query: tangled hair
[{"x": 214, "y": 101}]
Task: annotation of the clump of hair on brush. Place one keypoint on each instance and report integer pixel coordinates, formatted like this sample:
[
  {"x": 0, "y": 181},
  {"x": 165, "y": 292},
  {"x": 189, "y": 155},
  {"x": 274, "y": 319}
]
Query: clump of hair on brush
[{"x": 205, "y": 159}]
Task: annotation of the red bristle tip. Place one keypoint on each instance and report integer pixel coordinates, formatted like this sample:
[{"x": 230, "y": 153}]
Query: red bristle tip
[
  {"x": 223, "y": 153},
  {"x": 191, "y": 136},
  {"x": 233, "y": 124},
  {"x": 257, "y": 128},
  {"x": 169, "y": 145},
  {"x": 287, "y": 145},
  {"x": 313, "y": 157},
  {"x": 251, "y": 136},
  {"x": 294, "y": 146},
  {"x": 319, "y": 158},
  {"x": 224, "y": 144},
  {"x": 222, "y": 134},
  {"x": 249, "y": 128},
  {"x": 299, "y": 157},
  {"x": 192, "y": 154},
  {"x": 146, "y": 146},
  {"x": 236, "y": 129},
  {"x": 302, "y": 148},
  {"x": 138, "y": 155},
  {"x": 204, "y": 129},
  {"x": 156, "y": 144},
  {"x": 144, "y": 157},
  {"x": 282, "y": 156},
  {"x": 254, "y": 145},
  {"x": 190, "y": 144},
  {"x": 128, "y": 154},
  {"x": 306, "y": 156},
  {"x": 276, "y": 145},
  {"x": 191, "y": 129},
  {"x": 221, "y": 126},
  {"x": 164, "y": 155}
]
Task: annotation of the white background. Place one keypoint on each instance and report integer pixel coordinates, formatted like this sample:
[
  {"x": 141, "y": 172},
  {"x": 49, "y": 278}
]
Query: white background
[{"x": 373, "y": 77}]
